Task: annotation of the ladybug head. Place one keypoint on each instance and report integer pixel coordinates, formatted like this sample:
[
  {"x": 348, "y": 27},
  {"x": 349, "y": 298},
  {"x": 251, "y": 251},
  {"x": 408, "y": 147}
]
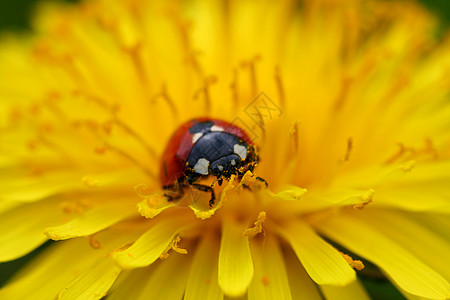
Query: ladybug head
[
  {"x": 226, "y": 166},
  {"x": 233, "y": 164}
]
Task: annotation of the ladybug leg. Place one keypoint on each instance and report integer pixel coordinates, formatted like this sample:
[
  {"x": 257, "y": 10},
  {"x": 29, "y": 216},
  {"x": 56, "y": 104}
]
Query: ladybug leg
[
  {"x": 174, "y": 192},
  {"x": 219, "y": 181},
  {"x": 262, "y": 180},
  {"x": 174, "y": 195},
  {"x": 205, "y": 188}
]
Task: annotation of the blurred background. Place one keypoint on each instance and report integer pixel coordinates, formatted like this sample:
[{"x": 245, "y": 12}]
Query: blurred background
[{"x": 15, "y": 16}]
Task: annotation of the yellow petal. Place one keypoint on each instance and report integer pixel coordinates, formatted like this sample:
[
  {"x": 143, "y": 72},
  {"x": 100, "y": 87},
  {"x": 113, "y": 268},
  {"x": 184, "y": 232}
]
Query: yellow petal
[
  {"x": 49, "y": 272},
  {"x": 412, "y": 197},
  {"x": 435, "y": 172},
  {"x": 313, "y": 201},
  {"x": 302, "y": 286},
  {"x": 52, "y": 270},
  {"x": 290, "y": 194},
  {"x": 152, "y": 244},
  {"x": 406, "y": 294},
  {"x": 243, "y": 297},
  {"x": 414, "y": 237},
  {"x": 354, "y": 290},
  {"x": 323, "y": 263},
  {"x": 93, "y": 283},
  {"x": 168, "y": 280},
  {"x": 270, "y": 280},
  {"x": 405, "y": 269},
  {"x": 30, "y": 189},
  {"x": 153, "y": 205},
  {"x": 125, "y": 178},
  {"x": 130, "y": 283},
  {"x": 21, "y": 228},
  {"x": 8, "y": 205},
  {"x": 404, "y": 187},
  {"x": 439, "y": 224},
  {"x": 92, "y": 221},
  {"x": 235, "y": 261},
  {"x": 202, "y": 281}
]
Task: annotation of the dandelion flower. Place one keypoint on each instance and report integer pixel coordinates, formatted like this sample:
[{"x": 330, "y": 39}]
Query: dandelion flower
[{"x": 348, "y": 102}]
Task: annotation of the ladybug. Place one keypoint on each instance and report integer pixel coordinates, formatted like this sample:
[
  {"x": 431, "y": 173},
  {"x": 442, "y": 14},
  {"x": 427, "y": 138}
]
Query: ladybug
[{"x": 205, "y": 147}]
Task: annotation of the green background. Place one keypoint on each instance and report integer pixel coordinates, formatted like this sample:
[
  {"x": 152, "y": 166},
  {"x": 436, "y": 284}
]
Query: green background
[{"x": 15, "y": 15}]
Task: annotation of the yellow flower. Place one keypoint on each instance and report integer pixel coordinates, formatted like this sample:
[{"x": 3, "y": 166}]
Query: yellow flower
[{"x": 347, "y": 100}]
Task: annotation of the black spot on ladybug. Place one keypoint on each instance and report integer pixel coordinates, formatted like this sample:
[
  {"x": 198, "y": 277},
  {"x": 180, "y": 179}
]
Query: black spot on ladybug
[{"x": 201, "y": 127}]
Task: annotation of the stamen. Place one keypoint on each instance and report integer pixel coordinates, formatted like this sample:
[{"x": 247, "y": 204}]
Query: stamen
[
  {"x": 107, "y": 23},
  {"x": 366, "y": 198},
  {"x": 234, "y": 88},
  {"x": 294, "y": 135},
  {"x": 429, "y": 148},
  {"x": 134, "y": 8},
  {"x": 107, "y": 126},
  {"x": 131, "y": 159},
  {"x": 265, "y": 280},
  {"x": 396, "y": 155},
  {"x": 397, "y": 171},
  {"x": 280, "y": 87},
  {"x": 75, "y": 206},
  {"x": 137, "y": 137},
  {"x": 343, "y": 94},
  {"x": 135, "y": 55},
  {"x": 32, "y": 145},
  {"x": 100, "y": 150},
  {"x": 205, "y": 91},
  {"x": 153, "y": 203},
  {"x": 43, "y": 141},
  {"x": 163, "y": 94},
  {"x": 15, "y": 115},
  {"x": 355, "y": 264},
  {"x": 173, "y": 246},
  {"x": 402, "y": 152},
  {"x": 352, "y": 33},
  {"x": 407, "y": 166},
  {"x": 402, "y": 80},
  {"x": 248, "y": 180},
  {"x": 51, "y": 103},
  {"x": 291, "y": 194},
  {"x": 90, "y": 182},
  {"x": 252, "y": 231},
  {"x": 348, "y": 151},
  {"x": 141, "y": 189},
  {"x": 252, "y": 69},
  {"x": 183, "y": 27},
  {"x": 67, "y": 62},
  {"x": 93, "y": 242},
  {"x": 109, "y": 108}
]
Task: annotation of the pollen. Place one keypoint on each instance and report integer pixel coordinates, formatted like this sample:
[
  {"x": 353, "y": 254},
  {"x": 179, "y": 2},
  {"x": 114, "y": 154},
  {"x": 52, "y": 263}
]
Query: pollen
[
  {"x": 173, "y": 246},
  {"x": 366, "y": 199},
  {"x": 356, "y": 264},
  {"x": 90, "y": 182},
  {"x": 93, "y": 242},
  {"x": 251, "y": 232}
]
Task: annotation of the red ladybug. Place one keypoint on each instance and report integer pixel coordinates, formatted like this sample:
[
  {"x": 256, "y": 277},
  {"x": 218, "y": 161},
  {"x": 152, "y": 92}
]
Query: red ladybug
[{"x": 204, "y": 147}]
